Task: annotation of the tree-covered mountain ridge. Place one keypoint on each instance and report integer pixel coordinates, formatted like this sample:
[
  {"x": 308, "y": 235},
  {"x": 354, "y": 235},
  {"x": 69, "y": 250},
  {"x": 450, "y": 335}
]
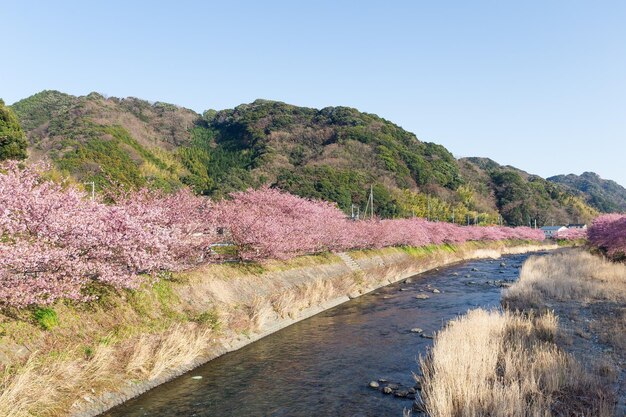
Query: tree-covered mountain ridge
[
  {"x": 606, "y": 195},
  {"x": 336, "y": 153}
]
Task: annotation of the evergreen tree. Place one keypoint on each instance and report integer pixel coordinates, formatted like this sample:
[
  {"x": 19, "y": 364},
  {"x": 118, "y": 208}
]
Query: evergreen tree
[{"x": 13, "y": 142}]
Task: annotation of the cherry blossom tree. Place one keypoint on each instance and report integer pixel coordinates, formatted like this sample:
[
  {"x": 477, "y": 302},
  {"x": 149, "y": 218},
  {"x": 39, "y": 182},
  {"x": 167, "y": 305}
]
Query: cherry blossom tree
[
  {"x": 608, "y": 232},
  {"x": 55, "y": 241}
]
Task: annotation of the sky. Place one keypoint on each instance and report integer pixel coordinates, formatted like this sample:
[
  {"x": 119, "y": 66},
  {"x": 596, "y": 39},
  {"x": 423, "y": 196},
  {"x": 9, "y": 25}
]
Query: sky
[{"x": 540, "y": 85}]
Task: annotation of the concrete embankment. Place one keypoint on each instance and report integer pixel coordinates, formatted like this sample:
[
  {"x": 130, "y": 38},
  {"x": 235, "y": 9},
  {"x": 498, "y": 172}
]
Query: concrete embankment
[{"x": 129, "y": 343}]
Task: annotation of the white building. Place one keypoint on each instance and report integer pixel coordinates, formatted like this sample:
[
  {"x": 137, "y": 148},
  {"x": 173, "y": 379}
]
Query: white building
[
  {"x": 550, "y": 231},
  {"x": 577, "y": 226}
]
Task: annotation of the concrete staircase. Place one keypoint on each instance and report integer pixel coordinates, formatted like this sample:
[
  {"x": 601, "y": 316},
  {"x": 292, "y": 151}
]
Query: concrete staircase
[{"x": 347, "y": 259}]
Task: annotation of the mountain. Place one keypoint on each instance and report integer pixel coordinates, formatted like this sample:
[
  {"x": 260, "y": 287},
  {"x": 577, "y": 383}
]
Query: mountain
[
  {"x": 522, "y": 197},
  {"x": 107, "y": 140},
  {"x": 605, "y": 195},
  {"x": 334, "y": 153}
]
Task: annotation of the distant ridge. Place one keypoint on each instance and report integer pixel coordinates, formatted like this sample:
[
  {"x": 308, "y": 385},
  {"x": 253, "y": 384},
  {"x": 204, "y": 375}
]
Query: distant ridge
[{"x": 605, "y": 195}]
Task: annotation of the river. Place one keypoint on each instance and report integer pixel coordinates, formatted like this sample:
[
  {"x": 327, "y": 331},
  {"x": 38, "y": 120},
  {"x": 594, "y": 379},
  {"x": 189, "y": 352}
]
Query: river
[{"x": 322, "y": 366}]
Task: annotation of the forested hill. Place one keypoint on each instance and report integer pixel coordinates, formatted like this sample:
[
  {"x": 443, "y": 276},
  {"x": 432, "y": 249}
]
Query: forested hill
[
  {"x": 606, "y": 195},
  {"x": 335, "y": 154}
]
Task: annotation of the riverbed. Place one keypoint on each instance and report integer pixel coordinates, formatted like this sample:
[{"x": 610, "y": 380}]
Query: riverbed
[{"x": 322, "y": 366}]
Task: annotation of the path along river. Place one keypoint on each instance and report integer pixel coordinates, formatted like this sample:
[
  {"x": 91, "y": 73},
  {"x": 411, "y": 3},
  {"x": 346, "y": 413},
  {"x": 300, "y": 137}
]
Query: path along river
[{"x": 322, "y": 366}]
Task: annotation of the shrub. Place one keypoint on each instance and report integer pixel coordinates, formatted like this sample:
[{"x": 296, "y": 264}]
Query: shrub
[{"x": 46, "y": 317}]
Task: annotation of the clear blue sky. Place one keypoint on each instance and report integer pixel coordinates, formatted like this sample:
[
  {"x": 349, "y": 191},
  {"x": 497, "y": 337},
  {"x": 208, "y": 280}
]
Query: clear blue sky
[{"x": 536, "y": 84}]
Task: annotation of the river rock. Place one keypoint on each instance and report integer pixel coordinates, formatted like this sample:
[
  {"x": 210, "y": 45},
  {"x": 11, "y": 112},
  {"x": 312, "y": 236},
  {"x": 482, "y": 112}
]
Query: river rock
[
  {"x": 436, "y": 291},
  {"x": 382, "y": 380},
  {"x": 474, "y": 269},
  {"x": 393, "y": 386},
  {"x": 404, "y": 289},
  {"x": 502, "y": 264},
  {"x": 387, "y": 390},
  {"x": 427, "y": 336},
  {"x": 416, "y": 330},
  {"x": 374, "y": 384},
  {"x": 401, "y": 394},
  {"x": 412, "y": 390},
  {"x": 408, "y": 281},
  {"x": 196, "y": 377},
  {"x": 422, "y": 297},
  {"x": 456, "y": 274}
]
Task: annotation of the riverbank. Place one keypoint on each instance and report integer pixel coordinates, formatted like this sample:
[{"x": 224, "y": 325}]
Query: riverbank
[
  {"x": 81, "y": 360},
  {"x": 556, "y": 349}
]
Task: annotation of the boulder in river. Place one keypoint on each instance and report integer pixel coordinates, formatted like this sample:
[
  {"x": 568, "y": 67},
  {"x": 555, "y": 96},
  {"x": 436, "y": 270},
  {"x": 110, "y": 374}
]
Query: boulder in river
[
  {"x": 422, "y": 297},
  {"x": 416, "y": 330},
  {"x": 436, "y": 291},
  {"x": 427, "y": 336},
  {"x": 401, "y": 393},
  {"x": 374, "y": 384},
  {"x": 387, "y": 390}
]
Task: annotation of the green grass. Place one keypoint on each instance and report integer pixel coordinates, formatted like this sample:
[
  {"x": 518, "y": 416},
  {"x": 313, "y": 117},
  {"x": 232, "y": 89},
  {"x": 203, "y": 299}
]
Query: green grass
[
  {"x": 209, "y": 318},
  {"x": 46, "y": 318}
]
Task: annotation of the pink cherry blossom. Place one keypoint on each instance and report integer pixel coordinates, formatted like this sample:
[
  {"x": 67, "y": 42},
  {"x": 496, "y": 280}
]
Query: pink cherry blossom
[
  {"x": 54, "y": 240},
  {"x": 608, "y": 232}
]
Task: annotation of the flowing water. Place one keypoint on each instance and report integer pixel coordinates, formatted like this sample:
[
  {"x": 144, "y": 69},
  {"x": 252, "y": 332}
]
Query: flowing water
[{"x": 322, "y": 366}]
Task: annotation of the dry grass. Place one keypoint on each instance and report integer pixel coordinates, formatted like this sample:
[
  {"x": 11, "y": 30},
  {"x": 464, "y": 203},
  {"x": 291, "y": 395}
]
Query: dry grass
[
  {"x": 572, "y": 275},
  {"x": 46, "y": 386},
  {"x": 589, "y": 282},
  {"x": 506, "y": 365}
]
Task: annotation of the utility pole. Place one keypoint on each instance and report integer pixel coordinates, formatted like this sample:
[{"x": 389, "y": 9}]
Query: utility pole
[
  {"x": 452, "y": 215},
  {"x": 370, "y": 203},
  {"x": 428, "y": 199},
  {"x": 372, "y": 200},
  {"x": 93, "y": 189}
]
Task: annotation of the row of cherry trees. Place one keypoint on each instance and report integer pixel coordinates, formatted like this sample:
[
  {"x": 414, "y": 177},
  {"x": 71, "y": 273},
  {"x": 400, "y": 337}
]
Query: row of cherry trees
[
  {"x": 269, "y": 223},
  {"x": 572, "y": 234},
  {"x": 608, "y": 232},
  {"x": 54, "y": 240}
]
